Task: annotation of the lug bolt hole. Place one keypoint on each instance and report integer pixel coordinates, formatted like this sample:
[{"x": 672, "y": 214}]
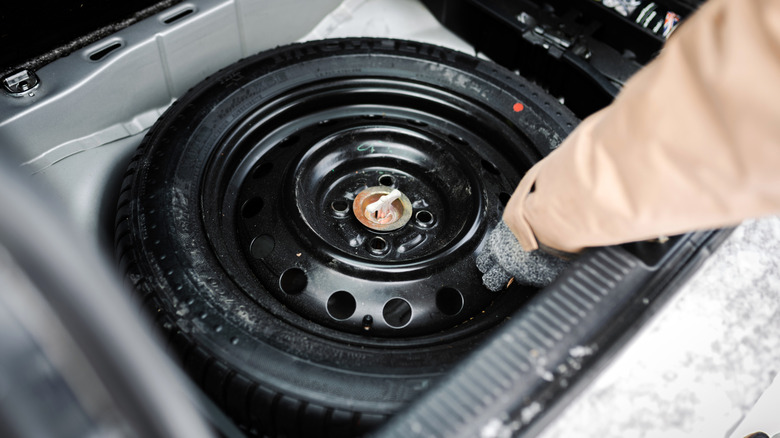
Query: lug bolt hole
[
  {"x": 340, "y": 207},
  {"x": 386, "y": 180},
  {"x": 378, "y": 245},
  {"x": 424, "y": 218}
]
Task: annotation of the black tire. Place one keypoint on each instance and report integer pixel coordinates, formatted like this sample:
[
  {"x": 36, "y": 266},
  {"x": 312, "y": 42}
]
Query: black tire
[{"x": 273, "y": 367}]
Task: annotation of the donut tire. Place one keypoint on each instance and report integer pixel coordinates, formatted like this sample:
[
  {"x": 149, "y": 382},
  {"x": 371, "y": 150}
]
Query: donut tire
[{"x": 275, "y": 376}]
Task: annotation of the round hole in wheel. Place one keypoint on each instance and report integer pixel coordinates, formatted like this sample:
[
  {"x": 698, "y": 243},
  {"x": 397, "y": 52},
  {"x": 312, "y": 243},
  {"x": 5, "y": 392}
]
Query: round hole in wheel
[
  {"x": 341, "y": 305},
  {"x": 442, "y": 114},
  {"x": 293, "y": 281},
  {"x": 449, "y": 300},
  {"x": 262, "y": 246},
  {"x": 397, "y": 312},
  {"x": 386, "y": 180},
  {"x": 378, "y": 245},
  {"x": 424, "y": 218},
  {"x": 340, "y": 207}
]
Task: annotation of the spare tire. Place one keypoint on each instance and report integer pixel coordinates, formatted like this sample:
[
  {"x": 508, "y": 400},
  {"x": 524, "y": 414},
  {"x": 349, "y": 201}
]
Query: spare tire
[{"x": 239, "y": 223}]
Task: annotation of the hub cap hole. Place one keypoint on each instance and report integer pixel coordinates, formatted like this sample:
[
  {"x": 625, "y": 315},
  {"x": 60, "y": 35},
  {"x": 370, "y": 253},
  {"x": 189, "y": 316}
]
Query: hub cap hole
[
  {"x": 386, "y": 180},
  {"x": 252, "y": 207},
  {"x": 397, "y": 312},
  {"x": 341, "y": 305},
  {"x": 449, "y": 301},
  {"x": 293, "y": 281},
  {"x": 424, "y": 218},
  {"x": 262, "y": 246}
]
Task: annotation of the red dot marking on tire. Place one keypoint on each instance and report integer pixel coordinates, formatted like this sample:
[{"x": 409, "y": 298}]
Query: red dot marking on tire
[{"x": 518, "y": 107}]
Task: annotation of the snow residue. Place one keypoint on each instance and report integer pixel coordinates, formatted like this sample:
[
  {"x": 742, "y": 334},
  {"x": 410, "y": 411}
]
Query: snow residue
[
  {"x": 496, "y": 428},
  {"x": 529, "y": 412},
  {"x": 580, "y": 351}
]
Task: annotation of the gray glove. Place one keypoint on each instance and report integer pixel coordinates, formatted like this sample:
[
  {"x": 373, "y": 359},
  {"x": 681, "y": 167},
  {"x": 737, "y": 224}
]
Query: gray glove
[{"x": 503, "y": 259}]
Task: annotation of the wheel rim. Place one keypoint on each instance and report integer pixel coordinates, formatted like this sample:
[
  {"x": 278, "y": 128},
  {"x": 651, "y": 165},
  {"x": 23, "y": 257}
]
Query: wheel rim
[{"x": 286, "y": 178}]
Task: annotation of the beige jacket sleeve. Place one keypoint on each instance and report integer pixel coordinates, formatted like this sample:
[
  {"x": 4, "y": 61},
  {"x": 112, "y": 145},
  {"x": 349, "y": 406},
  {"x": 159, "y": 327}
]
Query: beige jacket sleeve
[{"x": 692, "y": 142}]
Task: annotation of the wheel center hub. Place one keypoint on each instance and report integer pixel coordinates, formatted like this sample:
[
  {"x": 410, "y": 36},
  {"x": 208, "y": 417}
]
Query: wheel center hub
[{"x": 382, "y": 208}]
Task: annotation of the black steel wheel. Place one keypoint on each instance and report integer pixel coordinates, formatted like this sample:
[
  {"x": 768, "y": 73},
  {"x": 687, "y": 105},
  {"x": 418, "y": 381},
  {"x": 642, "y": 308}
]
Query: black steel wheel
[{"x": 304, "y": 225}]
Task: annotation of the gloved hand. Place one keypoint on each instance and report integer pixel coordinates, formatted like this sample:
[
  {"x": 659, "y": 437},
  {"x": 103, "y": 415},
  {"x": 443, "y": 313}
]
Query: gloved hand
[{"x": 503, "y": 259}]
